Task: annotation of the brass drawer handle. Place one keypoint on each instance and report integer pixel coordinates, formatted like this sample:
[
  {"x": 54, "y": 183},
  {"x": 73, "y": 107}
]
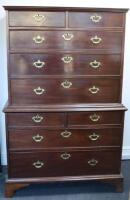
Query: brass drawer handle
[
  {"x": 65, "y": 156},
  {"x": 94, "y": 137},
  {"x": 38, "y": 39},
  {"x": 94, "y": 90},
  {"x": 66, "y": 84},
  {"x": 39, "y": 17},
  {"x": 94, "y": 117},
  {"x": 95, "y": 18},
  {"x": 38, "y": 164},
  {"x": 38, "y": 138},
  {"x": 67, "y": 59},
  {"x": 66, "y": 134},
  {"x": 39, "y": 64},
  {"x": 39, "y": 91},
  {"x": 67, "y": 36},
  {"x": 93, "y": 162},
  {"x": 95, "y": 64},
  {"x": 96, "y": 39},
  {"x": 37, "y": 118}
]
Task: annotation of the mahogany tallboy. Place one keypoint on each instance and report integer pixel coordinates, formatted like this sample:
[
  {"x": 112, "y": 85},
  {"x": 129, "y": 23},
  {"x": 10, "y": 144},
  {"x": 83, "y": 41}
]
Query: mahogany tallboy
[{"x": 64, "y": 116}]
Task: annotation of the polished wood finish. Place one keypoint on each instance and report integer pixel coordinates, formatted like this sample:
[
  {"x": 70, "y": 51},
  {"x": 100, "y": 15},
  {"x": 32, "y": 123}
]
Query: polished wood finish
[
  {"x": 54, "y": 8},
  {"x": 22, "y": 164},
  {"x": 30, "y": 119},
  {"x": 10, "y": 189},
  {"x": 54, "y": 40},
  {"x": 14, "y": 184},
  {"x": 46, "y": 19},
  {"x": 95, "y": 118},
  {"x": 83, "y": 19},
  {"x": 79, "y": 92},
  {"x": 65, "y": 119},
  {"x": 64, "y": 115},
  {"x": 38, "y": 138},
  {"x": 64, "y": 108},
  {"x": 23, "y": 64}
]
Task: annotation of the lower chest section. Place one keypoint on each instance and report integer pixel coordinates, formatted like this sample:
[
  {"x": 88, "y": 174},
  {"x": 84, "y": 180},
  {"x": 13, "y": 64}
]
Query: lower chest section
[{"x": 53, "y": 144}]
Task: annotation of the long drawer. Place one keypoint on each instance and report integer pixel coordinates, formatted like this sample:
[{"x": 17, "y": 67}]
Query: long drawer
[
  {"x": 63, "y": 119},
  {"x": 72, "y": 90},
  {"x": 44, "y": 19},
  {"x": 23, "y": 139},
  {"x": 60, "y": 163},
  {"x": 111, "y": 40},
  {"x": 65, "y": 64}
]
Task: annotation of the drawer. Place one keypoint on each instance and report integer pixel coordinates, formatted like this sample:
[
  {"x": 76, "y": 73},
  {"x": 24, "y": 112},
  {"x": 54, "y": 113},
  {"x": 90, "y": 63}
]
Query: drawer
[
  {"x": 94, "y": 118},
  {"x": 22, "y": 139},
  {"x": 44, "y": 19},
  {"x": 95, "y": 19},
  {"x": 65, "y": 64},
  {"x": 36, "y": 119},
  {"x": 60, "y": 163},
  {"x": 111, "y": 40},
  {"x": 72, "y": 90}
]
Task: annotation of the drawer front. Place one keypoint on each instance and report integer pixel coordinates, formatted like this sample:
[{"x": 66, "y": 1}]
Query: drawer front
[
  {"x": 65, "y": 64},
  {"x": 34, "y": 139},
  {"x": 66, "y": 40},
  {"x": 94, "y": 118},
  {"x": 40, "y": 91},
  {"x": 92, "y": 19},
  {"x": 36, "y": 119},
  {"x": 52, "y": 164},
  {"x": 45, "y": 19}
]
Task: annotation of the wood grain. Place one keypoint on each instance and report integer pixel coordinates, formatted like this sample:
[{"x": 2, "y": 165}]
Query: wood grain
[
  {"x": 21, "y": 39},
  {"x": 36, "y": 138},
  {"x": 54, "y": 165},
  {"x": 23, "y": 64},
  {"x": 22, "y": 91}
]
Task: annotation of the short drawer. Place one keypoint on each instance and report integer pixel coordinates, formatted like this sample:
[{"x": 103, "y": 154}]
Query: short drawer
[
  {"x": 94, "y": 118},
  {"x": 110, "y": 40},
  {"x": 30, "y": 18},
  {"x": 36, "y": 119},
  {"x": 65, "y": 64},
  {"x": 60, "y": 163},
  {"x": 72, "y": 90},
  {"x": 23, "y": 139},
  {"x": 95, "y": 19}
]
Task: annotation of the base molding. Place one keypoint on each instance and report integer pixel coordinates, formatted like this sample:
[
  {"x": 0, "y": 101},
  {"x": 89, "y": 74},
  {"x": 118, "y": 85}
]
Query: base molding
[{"x": 12, "y": 185}]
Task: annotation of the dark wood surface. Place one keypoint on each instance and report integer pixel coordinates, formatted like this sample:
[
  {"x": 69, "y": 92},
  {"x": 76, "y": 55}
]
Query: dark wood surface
[
  {"x": 106, "y": 90},
  {"x": 38, "y": 138},
  {"x": 53, "y": 165},
  {"x": 65, "y": 108},
  {"x": 22, "y": 39},
  {"x": 86, "y": 107},
  {"x": 50, "y": 19},
  {"x": 94, "y": 118},
  {"x": 14, "y": 184},
  {"x": 83, "y": 19},
  {"x": 45, "y": 119},
  {"x": 24, "y": 64},
  {"x": 65, "y": 119},
  {"x": 54, "y": 8},
  {"x": 75, "y": 19}
]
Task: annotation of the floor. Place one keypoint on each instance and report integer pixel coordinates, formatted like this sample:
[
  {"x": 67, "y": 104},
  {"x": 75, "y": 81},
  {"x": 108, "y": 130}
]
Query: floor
[{"x": 72, "y": 191}]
